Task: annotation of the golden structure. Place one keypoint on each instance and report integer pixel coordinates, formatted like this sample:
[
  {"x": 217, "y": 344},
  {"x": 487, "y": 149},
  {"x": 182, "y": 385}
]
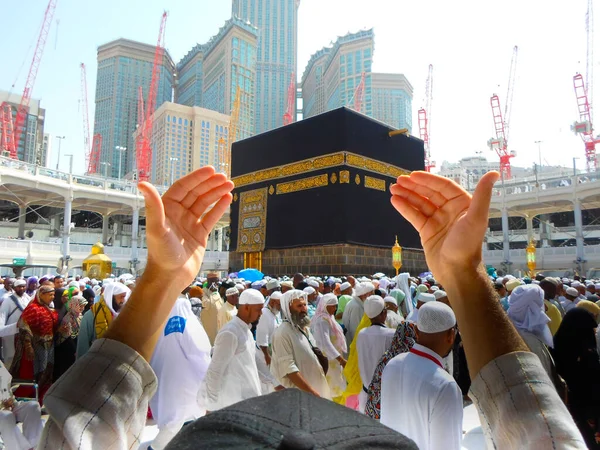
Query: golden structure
[
  {"x": 397, "y": 256},
  {"x": 97, "y": 265},
  {"x": 530, "y": 251}
]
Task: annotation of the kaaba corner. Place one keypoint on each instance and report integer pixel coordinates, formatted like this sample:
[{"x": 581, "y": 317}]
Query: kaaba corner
[{"x": 313, "y": 197}]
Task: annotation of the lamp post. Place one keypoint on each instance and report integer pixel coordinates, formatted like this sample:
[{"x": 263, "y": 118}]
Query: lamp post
[
  {"x": 530, "y": 251},
  {"x": 172, "y": 160},
  {"x": 397, "y": 256},
  {"x": 539, "y": 144},
  {"x": 70, "y": 164},
  {"x": 575, "y": 158},
  {"x": 60, "y": 139},
  {"x": 105, "y": 164},
  {"x": 120, "y": 150}
]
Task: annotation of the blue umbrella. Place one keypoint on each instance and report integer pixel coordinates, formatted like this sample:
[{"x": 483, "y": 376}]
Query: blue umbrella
[{"x": 251, "y": 275}]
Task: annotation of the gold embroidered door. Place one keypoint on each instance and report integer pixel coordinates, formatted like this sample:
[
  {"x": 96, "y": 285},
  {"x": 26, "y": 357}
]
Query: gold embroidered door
[{"x": 253, "y": 261}]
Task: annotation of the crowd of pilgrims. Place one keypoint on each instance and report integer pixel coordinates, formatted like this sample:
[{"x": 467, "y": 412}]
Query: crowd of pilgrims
[{"x": 227, "y": 340}]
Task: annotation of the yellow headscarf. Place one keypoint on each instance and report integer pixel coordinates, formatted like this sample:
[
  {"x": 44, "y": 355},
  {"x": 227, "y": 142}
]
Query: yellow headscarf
[{"x": 354, "y": 383}]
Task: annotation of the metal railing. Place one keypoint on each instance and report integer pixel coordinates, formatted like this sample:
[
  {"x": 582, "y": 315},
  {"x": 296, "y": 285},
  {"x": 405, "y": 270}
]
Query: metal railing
[{"x": 531, "y": 184}]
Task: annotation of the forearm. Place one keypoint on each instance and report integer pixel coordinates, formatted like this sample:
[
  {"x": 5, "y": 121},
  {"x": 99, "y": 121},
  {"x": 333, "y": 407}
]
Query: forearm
[
  {"x": 265, "y": 351},
  {"x": 301, "y": 383},
  {"x": 142, "y": 319},
  {"x": 486, "y": 331}
]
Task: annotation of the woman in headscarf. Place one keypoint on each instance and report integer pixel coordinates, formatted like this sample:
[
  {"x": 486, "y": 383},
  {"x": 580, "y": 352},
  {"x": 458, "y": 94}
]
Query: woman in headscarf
[
  {"x": 66, "y": 336},
  {"x": 32, "y": 286},
  {"x": 330, "y": 339},
  {"x": 400, "y": 296},
  {"x": 402, "y": 342},
  {"x": 578, "y": 363},
  {"x": 34, "y": 346}
]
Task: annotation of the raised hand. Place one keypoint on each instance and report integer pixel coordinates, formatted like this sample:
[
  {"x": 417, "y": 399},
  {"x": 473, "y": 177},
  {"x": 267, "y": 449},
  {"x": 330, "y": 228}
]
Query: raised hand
[
  {"x": 451, "y": 223},
  {"x": 177, "y": 226}
]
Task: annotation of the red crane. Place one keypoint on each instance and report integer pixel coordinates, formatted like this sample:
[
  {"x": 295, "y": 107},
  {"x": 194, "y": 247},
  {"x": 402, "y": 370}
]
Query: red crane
[
  {"x": 143, "y": 145},
  {"x": 359, "y": 94},
  {"x": 31, "y": 76},
  {"x": 92, "y": 149},
  {"x": 425, "y": 120},
  {"x": 584, "y": 96},
  {"x": 288, "y": 117},
  {"x": 6, "y": 127},
  {"x": 502, "y": 123}
]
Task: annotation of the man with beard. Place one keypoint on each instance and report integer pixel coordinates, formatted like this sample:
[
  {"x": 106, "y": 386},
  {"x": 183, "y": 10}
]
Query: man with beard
[
  {"x": 96, "y": 321},
  {"x": 294, "y": 362},
  {"x": 418, "y": 379},
  {"x": 267, "y": 324}
]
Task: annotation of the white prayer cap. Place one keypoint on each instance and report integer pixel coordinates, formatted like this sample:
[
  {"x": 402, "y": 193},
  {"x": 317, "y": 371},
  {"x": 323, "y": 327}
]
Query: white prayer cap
[
  {"x": 240, "y": 287},
  {"x": 509, "y": 277},
  {"x": 21, "y": 282},
  {"x": 575, "y": 284},
  {"x": 364, "y": 280},
  {"x": 329, "y": 300},
  {"x": 390, "y": 299},
  {"x": 597, "y": 285},
  {"x": 535, "y": 282},
  {"x": 231, "y": 291},
  {"x": 276, "y": 295},
  {"x": 313, "y": 283},
  {"x": 435, "y": 317},
  {"x": 384, "y": 283},
  {"x": 512, "y": 285},
  {"x": 526, "y": 311},
  {"x": 309, "y": 290},
  {"x": 500, "y": 280},
  {"x": 94, "y": 282},
  {"x": 379, "y": 275},
  {"x": 373, "y": 306},
  {"x": 572, "y": 292},
  {"x": 364, "y": 288},
  {"x": 74, "y": 284},
  {"x": 258, "y": 284},
  {"x": 345, "y": 285},
  {"x": 424, "y": 297},
  {"x": 434, "y": 288},
  {"x": 554, "y": 281},
  {"x": 287, "y": 283},
  {"x": 129, "y": 283},
  {"x": 273, "y": 284},
  {"x": 439, "y": 294},
  {"x": 85, "y": 280},
  {"x": 251, "y": 297},
  {"x": 565, "y": 280}
]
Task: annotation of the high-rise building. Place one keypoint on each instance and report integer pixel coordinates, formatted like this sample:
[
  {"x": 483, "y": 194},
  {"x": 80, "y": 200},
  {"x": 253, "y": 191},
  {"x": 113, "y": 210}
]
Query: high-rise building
[
  {"x": 392, "y": 99},
  {"x": 210, "y": 74},
  {"x": 185, "y": 138},
  {"x": 277, "y": 23},
  {"x": 46, "y": 150},
  {"x": 31, "y": 141},
  {"x": 124, "y": 66},
  {"x": 333, "y": 74}
]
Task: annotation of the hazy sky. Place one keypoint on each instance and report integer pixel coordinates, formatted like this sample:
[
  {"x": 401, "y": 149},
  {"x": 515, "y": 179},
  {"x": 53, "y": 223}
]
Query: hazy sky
[{"x": 469, "y": 44}]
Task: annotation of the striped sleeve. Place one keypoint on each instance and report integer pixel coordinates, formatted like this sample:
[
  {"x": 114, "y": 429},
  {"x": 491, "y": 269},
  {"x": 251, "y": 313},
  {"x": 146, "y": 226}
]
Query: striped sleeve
[
  {"x": 101, "y": 401},
  {"x": 519, "y": 407}
]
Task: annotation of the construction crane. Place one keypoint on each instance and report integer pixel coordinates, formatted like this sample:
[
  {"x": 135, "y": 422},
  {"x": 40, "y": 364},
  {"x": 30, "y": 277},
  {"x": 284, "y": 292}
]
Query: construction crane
[
  {"x": 502, "y": 123},
  {"x": 357, "y": 99},
  {"x": 425, "y": 119},
  {"x": 288, "y": 117},
  {"x": 23, "y": 108},
  {"x": 143, "y": 143},
  {"x": 92, "y": 149},
  {"x": 584, "y": 96},
  {"x": 225, "y": 146},
  {"x": 6, "y": 127}
]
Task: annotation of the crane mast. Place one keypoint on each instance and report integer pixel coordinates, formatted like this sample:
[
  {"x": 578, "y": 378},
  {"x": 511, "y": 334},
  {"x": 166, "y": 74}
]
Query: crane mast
[
  {"x": 425, "y": 120},
  {"x": 288, "y": 116},
  {"x": 86, "y": 120}
]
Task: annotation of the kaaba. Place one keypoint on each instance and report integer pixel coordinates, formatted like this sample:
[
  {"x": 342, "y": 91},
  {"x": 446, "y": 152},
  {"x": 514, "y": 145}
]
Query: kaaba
[{"x": 313, "y": 197}]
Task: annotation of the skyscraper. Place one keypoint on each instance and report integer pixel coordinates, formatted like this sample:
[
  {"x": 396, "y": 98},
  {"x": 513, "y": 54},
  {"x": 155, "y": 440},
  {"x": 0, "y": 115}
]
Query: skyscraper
[
  {"x": 392, "y": 99},
  {"x": 123, "y": 66},
  {"x": 277, "y": 23}
]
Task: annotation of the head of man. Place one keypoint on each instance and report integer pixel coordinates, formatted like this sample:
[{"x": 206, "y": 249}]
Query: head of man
[
  {"x": 286, "y": 286},
  {"x": 591, "y": 288},
  {"x": 571, "y": 294},
  {"x": 424, "y": 298},
  {"x": 500, "y": 289},
  {"x": 441, "y": 296},
  {"x": 19, "y": 287},
  {"x": 364, "y": 290},
  {"x": 250, "y": 306},
  {"x": 581, "y": 289},
  {"x": 331, "y": 303},
  {"x": 346, "y": 288},
  {"x": 391, "y": 304},
  {"x": 436, "y": 327},
  {"x": 549, "y": 289},
  {"x": 375, "y": 309},
  {"x": 272, "y": 286},
  {"x": 328, "y": 287},
  {"x": 352, "y": 281},
  {"x": 298, "y": 278},
  {"x": 232, "y": 295},
  {"x": 46, "y": 294},
  {"x": 58, "y": 281},
  {"x": 294, "y": 308},
  {"x": 321, "y": 288},
  {"x": 311, "y": 294},
  {"x": 120, "y": 294},
  {"x": 275, "y": 302}
]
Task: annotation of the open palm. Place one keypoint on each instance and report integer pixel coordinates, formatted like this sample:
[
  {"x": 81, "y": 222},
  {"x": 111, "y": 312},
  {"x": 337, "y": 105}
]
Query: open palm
[
  {"x": 178, "y": 224},
  {"x": 450, "y": 222}
]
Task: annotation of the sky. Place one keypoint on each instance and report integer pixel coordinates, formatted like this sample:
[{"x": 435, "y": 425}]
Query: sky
[{"x": 469, "y": 43}]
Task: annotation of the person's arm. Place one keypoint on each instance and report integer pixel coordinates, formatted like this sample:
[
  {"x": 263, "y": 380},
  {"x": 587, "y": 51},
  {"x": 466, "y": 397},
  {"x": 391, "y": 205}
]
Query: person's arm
[
  {"x": 223, "y": 352},
  {"x": 263, "y": 331},
  {"x": 322, "y": 331},
  {"x": 82, "y": 406},
  {"x": 452, "y": 227},
  {"x": 301, "y": 383}
]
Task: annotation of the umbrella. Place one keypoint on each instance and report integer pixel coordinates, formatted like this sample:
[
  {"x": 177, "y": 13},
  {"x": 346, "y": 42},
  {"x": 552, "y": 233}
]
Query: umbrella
[
  {"x": 250, "y": 275},
  {"x": 425, "y": 275}
]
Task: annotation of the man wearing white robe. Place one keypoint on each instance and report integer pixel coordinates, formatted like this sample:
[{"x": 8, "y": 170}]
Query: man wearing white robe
[
  {"x": 371, "y": 343},
  {"x": 293, "y": 362},
  {"x": 571, "y": 299},
  {"x": 10, "y": 312},
  {"x": 180, "y": 361},
  {"x": 267, "y": 324},
  {"x": 393, "y": 319},
  {"x": 229, "y": 309},
  {"x": 232, "y": 374},
  {"x": 418, "y": 397},
  {"x": 422, "y": 298},
  {"x": 355, "y": 309}
]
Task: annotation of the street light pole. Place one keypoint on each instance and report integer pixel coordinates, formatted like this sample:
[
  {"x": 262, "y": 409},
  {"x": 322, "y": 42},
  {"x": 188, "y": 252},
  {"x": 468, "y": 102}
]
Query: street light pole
[
  {"x": 575, "y": 158},
  {"x": 60, "y": 138},
  {"x": 539, "y": 143},
  {"x": 120, "y": 150},
  {"x": 172, "y": 160},
  {"x": 70, "y": 164}
]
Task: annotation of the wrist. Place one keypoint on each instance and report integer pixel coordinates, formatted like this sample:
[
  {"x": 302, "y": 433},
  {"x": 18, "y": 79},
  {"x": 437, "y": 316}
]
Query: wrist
[{"x": 155, "y": 274}]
